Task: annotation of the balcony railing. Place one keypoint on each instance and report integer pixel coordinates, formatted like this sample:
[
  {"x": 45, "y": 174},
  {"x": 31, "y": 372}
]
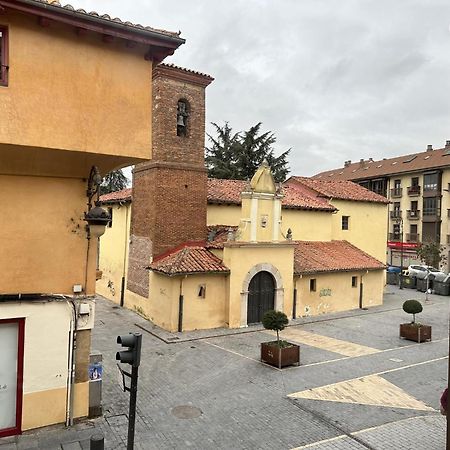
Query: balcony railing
[
  {"x": 395, "y": 237},
  {"x": 396, "y": 214},
  {"x": 413, "y": 190},
  {"x": 412, "y": 237},
  {"x": 396, "y": 192},
  {"x": 413, "y": 214}
]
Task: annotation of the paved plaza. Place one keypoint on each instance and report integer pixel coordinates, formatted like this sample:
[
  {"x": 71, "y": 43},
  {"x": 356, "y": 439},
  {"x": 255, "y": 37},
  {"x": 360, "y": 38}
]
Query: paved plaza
[{"x": 358, "y": 386}]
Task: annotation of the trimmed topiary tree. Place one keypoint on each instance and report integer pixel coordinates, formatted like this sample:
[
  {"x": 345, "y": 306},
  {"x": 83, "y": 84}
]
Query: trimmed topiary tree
[
  {"x": 275, "y": 321},
  {"x": 412, "y": 307}
]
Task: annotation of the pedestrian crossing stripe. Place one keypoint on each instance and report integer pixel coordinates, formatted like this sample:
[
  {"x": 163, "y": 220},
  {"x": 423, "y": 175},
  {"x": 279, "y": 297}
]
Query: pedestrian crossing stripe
[
  {"x": 371, "y": 390},
  {"x": 325, "y": 343}
]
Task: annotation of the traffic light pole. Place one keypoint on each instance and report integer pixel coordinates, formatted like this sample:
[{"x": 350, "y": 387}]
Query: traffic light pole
[
  {"x": 132, "y": 356},
  {"x": 132, "y": 411}
]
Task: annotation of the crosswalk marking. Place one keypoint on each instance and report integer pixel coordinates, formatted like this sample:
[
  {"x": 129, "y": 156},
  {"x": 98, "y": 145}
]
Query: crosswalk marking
[
  {"x": 371, "y": 390},
  {"x": 326, "y": 343}
]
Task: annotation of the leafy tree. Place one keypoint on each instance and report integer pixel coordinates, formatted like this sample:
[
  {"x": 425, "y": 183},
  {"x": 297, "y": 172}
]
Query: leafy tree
[
  {"x": 412, "y": 307},
  {"x": 113, "y": 181},
  {"x": 431, "y": 253},
  {"x": 276, "y": 321},
  {"x": 238, "y": 155},
  {"x": 221, "y": 156}
]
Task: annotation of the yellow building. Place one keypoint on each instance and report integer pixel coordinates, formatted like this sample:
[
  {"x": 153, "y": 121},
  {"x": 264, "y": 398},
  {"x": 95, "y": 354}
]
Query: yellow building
[
  {"x": 252, "y": 259},
  {"x": 75, "y": 103}
]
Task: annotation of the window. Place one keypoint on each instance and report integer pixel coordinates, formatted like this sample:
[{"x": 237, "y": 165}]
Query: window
[
  {"x": 202, "y": 291},
  {"x": 396, "y": 236},
  {"x": 354, "y": 281},
  {"x": 430, "y": 182},
  {"x": 430, "y": 206},
  {"x": 415, "y": 182},
  {"x": 414, "y": 205},
  {"x": 3, "y": 56},
  {"x": 345, "y": 222},
  {"x": 397, "y": 184},
  {"x": 182, "y": 117},
  {"x": 312, "y": 285}
]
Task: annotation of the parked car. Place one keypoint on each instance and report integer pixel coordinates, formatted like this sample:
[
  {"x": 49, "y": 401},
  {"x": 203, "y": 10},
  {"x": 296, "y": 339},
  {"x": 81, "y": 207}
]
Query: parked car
[{"x": 422, "y": 271}]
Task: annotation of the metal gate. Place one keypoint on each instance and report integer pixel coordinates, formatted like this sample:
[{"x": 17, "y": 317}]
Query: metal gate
[{"x": 261, "y": 296}]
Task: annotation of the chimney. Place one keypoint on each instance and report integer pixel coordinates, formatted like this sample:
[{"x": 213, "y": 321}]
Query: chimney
[
  {"x": 347, "y": 163},
  {"x": 447, "y": 144},
  {"x": 429, "y": 148},
  {"x": 361, "y": 162},
  {"x": 370, "y": 159}
]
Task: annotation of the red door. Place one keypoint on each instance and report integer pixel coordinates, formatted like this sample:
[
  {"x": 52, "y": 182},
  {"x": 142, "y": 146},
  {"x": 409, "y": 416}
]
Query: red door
[{"x": 11, "y": 376}]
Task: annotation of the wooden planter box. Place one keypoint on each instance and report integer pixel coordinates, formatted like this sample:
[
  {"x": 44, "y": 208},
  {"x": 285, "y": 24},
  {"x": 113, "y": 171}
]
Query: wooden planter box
[
  {"x": 415, "y": 333},
  {"x": 280, "y": 357}
]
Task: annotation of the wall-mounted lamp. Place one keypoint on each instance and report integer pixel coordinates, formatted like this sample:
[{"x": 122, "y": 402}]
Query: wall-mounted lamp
[{"x": 97, "y": 219}]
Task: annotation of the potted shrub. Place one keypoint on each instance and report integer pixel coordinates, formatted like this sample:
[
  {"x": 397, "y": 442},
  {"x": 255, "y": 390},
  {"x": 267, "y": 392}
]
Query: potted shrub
[
  {"x": 414, "y": 331},
  {"x": 278, "y": 353}
]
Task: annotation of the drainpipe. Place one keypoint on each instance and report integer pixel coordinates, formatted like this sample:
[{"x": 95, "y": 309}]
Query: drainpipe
[
  {"x": 122, "y": 289},
  {"x": 71, "y": 365},
  {"x": 361, "y": 290},
  {"x": 180, "y": 306},
  {"x": 294, "y": 306}
]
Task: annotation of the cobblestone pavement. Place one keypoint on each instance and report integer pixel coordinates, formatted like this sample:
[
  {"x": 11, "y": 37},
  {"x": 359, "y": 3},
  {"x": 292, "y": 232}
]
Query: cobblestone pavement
[{"x": 358, "y": 386}]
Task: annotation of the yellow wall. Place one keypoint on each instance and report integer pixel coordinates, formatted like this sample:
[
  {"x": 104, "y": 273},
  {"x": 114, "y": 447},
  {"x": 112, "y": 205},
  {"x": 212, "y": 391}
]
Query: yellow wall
[
  {"x": 113, "y": 258},
  {"x": 241, "y": 258},
  {"x": 42, "y": 236},
  {"x": 367, "y": 226},
  {"x": 74, "y": 92},
  {"x": 46, "y": 362},
  {"x": 334, "y": 292},
  {"x": 204, "y": 313},
  {"x": 223, "y": 214},
  {"x": 307, "y": 225}
]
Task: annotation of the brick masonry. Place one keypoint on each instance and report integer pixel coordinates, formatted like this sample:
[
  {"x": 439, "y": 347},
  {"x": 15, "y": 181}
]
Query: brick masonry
[{"x": 169, "y": 192}]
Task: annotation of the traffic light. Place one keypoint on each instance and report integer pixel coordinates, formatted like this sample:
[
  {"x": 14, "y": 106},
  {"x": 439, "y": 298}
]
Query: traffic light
[{"x": 132, "y": 355}]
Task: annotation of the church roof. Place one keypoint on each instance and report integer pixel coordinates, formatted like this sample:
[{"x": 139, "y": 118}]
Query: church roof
[
  {"x": 229, "y": 192},
  {"x": 339, "y": 190},
  {"x": 116, "y": 197},
  {"x": 331, "y": 256},
  {"x": 188, "y": 259}
]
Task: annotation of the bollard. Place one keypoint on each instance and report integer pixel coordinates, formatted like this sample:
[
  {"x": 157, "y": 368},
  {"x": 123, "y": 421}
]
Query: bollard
[{"x": 97, "y": 442}]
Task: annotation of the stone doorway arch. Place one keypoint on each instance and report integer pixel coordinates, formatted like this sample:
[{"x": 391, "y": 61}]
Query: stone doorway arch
[{"x": 279, "y": 289}]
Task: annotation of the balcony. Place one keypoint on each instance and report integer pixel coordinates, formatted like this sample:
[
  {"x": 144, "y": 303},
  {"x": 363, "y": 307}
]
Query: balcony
[
  {"x": 413, "y": 214},
  {"x": 396, "y": 192},
  {"x": 396, "y": 214},
  {"x": 413, "y": 191},
  {"x": 396, "y": 237},
  {"x": 412, "y": 237}
]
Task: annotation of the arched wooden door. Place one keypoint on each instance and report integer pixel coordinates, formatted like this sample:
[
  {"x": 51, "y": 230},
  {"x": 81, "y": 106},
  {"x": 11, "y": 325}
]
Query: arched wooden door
[{"x": 261, "y": 296}]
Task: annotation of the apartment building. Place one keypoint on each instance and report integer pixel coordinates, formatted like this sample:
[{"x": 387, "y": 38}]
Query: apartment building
[{"x": 417, "y": 186}]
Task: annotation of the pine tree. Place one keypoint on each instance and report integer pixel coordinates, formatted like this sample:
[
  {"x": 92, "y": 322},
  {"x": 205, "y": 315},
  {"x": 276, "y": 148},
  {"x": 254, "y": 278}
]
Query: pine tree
[
  {"x": 113, "y": 181},
  {"x": 238, "y": 156}
]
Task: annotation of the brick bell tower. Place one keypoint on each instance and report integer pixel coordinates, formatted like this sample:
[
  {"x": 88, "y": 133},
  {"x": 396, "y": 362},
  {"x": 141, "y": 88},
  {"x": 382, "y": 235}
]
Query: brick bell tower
[{"x": 169, "y": 192}]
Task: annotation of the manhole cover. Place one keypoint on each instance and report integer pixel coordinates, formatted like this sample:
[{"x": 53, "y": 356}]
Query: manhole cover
[{"x": 186, "y": 412}]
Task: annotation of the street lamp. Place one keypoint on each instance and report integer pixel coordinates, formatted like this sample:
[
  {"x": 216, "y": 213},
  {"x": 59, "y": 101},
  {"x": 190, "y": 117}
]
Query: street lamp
[{"x": 399, "y": 221}]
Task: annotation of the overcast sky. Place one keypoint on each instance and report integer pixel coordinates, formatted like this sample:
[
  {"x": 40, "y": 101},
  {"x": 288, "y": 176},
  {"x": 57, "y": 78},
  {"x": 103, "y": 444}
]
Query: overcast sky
[{"x": 333, "y": 79}]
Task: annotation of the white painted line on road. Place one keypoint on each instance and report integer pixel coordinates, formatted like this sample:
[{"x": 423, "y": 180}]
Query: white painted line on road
[
  {"x": 241, "y": 355},
  {"x": 324, "y": 441}
]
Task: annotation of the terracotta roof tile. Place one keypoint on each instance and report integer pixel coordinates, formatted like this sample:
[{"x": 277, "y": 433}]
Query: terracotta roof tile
[
  {"x": 229, "y": 192},
  {"x": 103, "y": 17},
  {"x": 341, "y": 190},
  {"x": 116, "y": 197},
  {"x": 218, "y": 235},
  {"x": 427, "y": 160},
  {"x": 331, "y": 256},
  {"x": 188, "y": 260},
  {"x": 184, "y": 69}
]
